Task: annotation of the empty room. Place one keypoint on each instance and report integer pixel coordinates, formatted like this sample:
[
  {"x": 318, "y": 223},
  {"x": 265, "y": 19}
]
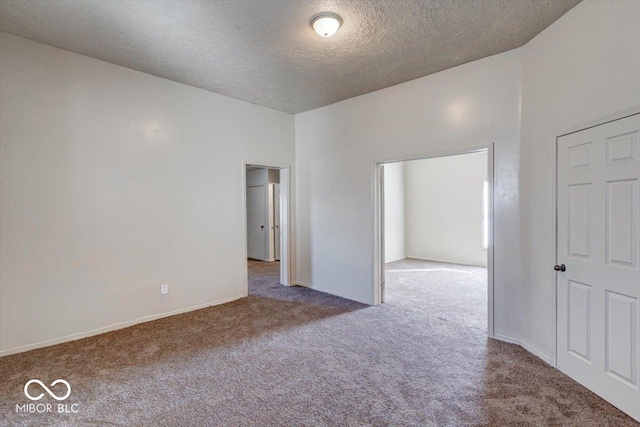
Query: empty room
[
  {"x": 264, "y": 218},
  {"x": 312, "y": 213},
  {"x": 436, "y": 227}
]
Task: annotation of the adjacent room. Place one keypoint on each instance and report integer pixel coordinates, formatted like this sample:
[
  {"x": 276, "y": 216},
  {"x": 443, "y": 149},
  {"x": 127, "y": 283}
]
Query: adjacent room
[
  {"x": 320, "y": 213},
  {"x": 263, "y": 226},
  {"x": 436, "y": 236}
]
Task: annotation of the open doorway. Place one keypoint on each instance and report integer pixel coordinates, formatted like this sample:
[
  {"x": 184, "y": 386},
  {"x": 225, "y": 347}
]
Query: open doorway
[
  {"x": 435, "y": 227},
  {"x": 266, "y": 193}
]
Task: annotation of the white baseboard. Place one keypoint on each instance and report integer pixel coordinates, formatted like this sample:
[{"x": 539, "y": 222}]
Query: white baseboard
[
  {"x": 536, "y": 352},
  {"x": 112, "y": 327},
  {"x": 473, "y": 264},
  {"x": 530, "y": 348},
  {"x": 506, "y": 339},
  {"x": 332, "y": 292}
]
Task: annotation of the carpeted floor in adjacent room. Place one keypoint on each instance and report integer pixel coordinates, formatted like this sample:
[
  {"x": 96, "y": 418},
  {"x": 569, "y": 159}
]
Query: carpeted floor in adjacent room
[{"x": 297, "y": 357}]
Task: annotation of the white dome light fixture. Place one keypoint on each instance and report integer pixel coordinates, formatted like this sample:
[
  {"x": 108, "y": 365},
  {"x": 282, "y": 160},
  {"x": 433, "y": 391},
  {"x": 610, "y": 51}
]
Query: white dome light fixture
[{"x": 326, "y": 24}]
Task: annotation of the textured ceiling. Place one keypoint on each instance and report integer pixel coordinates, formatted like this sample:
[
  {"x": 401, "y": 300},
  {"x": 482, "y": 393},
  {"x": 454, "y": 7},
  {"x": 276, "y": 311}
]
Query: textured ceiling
[{"x": 265, "y": 51}]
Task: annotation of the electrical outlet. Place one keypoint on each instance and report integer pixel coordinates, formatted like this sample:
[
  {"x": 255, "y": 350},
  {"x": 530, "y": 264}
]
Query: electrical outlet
[{"x": 164, "y": 289}]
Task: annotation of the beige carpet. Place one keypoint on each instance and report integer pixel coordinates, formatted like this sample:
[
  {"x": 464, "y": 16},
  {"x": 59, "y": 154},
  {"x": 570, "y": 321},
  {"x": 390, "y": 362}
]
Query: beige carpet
[{"x": 293, "y": 356}]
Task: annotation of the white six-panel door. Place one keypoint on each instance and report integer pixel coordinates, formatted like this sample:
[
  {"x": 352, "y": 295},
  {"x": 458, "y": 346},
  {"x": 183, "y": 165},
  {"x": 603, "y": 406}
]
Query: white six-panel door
[
  {"x": 598, "y": 241},
  {"x": 257, "y": 222}
]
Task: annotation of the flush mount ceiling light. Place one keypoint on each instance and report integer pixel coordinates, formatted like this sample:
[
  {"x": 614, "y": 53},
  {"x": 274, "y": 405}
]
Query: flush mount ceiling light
[{"x": 326, "y": 24}]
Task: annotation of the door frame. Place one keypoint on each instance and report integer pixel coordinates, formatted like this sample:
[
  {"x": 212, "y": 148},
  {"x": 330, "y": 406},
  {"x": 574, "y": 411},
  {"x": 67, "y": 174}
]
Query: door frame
[
  {"x": 286, "y": 264},
  {"x": 378, "y": 221},
  {"x": 276, "y": 242},
  {"x": 618, "y": 115},
  {"x": 271, "y": 235}
]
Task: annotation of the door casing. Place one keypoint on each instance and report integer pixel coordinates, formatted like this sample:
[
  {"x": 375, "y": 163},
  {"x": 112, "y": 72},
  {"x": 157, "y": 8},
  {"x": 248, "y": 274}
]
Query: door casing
[
  {"x": 378, "y": 221},
  {"x": 286, "y": 231}
]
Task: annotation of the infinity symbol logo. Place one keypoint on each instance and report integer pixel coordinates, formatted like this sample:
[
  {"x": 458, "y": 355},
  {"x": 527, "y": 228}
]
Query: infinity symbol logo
[{"x": 41, "y": 395}]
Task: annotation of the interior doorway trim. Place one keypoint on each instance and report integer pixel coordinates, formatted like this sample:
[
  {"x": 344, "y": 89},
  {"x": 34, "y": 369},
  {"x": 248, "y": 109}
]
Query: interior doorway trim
[
  {"x": 286, "y": 265},
  {"x": 378, "y": 191}
]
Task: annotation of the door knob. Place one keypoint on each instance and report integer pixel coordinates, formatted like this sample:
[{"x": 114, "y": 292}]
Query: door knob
[{"x": 560, "y": 267}]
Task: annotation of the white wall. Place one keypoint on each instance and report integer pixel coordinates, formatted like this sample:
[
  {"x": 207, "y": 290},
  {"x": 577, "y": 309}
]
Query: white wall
[
  {"x": 257, "y": 177},
  {"x": 444, "y": 208},
  {"x": 394, "y": 212},
  {"x": 114, "y": 182},
  {"x": 583, "y": 67},
  {"x": 338, "y": 145}
]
